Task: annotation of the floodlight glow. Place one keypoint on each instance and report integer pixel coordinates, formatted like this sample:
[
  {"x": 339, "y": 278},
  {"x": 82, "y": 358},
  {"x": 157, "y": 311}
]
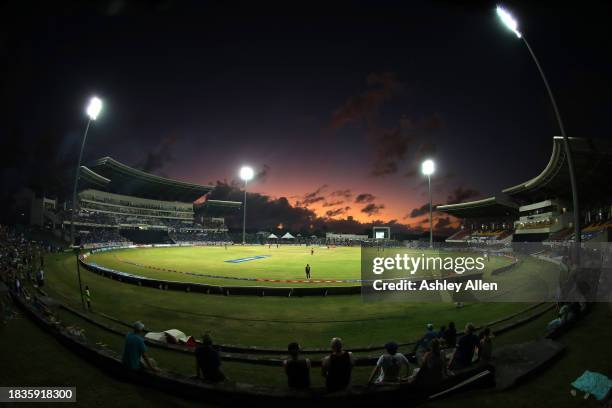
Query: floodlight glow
[
  {"x": 94, "y": 108},
  {"x": 508, "y": 20},
  {"x": 246, "y": 173},
  {"x": 428, "y": 167}
]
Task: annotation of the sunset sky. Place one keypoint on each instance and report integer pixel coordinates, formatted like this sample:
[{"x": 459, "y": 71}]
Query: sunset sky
[{"x": 327, "y": 104}]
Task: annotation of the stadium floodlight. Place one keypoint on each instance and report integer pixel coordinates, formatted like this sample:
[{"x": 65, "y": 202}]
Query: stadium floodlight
[
  {"x": 94, "y": 108},
  {"x": 511, "y": 23},
  {"x": 428, "y": 167},
  {"x": 508, "y": 20},
  {"x": 246, "y": 174}
]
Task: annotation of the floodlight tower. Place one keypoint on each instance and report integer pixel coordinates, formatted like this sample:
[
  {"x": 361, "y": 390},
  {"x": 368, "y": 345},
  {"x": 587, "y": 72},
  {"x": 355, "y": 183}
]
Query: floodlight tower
[
  {"x": 246, "y": 174},
  {"x": 93, "y": 110},
  {"x": 428, "y": 167},
  {"x": 510, "y": 22}
]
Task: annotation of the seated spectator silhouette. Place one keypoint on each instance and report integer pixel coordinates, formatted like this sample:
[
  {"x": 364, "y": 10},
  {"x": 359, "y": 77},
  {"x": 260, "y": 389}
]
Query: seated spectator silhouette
[
  {"x": 450, "y": 336},
  {"x": 485, "y": 346},
  {"x": 465, "y": 348},
  {"x": 422, "y": 345},
  {"x": 337, "y": 367},
  {"x": 135, "y": 350},
  {"x": 433, "y": 367},
  {"x": 297, "y": 368},
  {"x": 208, "y": 361},
  {"x": 389, "y": 366}
]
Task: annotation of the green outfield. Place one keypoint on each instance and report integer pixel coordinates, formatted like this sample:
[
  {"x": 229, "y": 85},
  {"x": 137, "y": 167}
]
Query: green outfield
[
  {"x": 267, "y": 321},
  {"x": 285, "y": 263}
]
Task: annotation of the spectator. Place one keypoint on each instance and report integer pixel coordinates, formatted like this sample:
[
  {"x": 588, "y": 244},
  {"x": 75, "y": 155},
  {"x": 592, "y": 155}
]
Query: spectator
[
  {"x": 88, "y": 297},
  {"x": 433, "y": 368},
  {"x": 441, "y": 332},
  {"x": 465, "y": 348},
  {"x": 135, "y": 350},
  {"x": 40, "y": 278},
  {"x": 297, "y": 368},
  {"x": 422, "y": 345},
  {"x": 337, "y": 367},
  {"x": 450, "y": 336},
  {"x": 389, "y": 366},
  {"x": 208, "y": 361},
  {"x": 485, "y": 347}
]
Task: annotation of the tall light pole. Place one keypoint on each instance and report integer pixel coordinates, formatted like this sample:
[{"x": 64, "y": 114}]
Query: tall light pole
[
  {"x": 511, "y": 23},
  {"x": 246, "y": 174},
  {"x": 428, "y": 168},
  {"x": 93, "y": 110}
]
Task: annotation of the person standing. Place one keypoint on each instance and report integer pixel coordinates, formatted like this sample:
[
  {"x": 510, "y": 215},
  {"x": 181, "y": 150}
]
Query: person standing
[
  {"x": 40, "y": 278},
  {"x": 311, "y": 251},
  {"x": 307, "y": 269},
  {"x": 88, "y": 297}
]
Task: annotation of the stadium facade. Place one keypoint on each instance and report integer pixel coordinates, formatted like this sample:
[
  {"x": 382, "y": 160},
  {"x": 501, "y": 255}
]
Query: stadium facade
[
  {"x": 540, "y": 208},
  {"x": 120, "y": 204}
]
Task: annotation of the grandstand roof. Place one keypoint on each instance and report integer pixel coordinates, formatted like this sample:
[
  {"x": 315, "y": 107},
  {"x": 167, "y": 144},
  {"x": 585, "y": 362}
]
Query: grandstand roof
[
  {"x": 221, "y": 203},
  {"x": 123, "y": 179},
  {"x": 593, "y": 165},
  {"x": 485, "y": 208}
]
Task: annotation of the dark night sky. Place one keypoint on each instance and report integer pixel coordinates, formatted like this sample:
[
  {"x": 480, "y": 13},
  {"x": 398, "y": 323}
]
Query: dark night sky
[{"x": 328, "y": 99}]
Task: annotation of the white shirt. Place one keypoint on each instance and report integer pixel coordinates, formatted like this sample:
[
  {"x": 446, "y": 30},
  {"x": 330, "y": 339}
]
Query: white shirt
[{"x": 391, "y": 366}]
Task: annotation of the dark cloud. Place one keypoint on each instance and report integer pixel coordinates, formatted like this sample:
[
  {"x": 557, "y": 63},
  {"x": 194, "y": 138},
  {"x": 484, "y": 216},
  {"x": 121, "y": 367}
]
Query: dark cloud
[
  {"x": 443, "y": 222},
  {"x": 337, "y": 211},
  {"x": 390, "y": 148},
  {"x": 372, "y": 209},
  {"x": 461, "y": 194},
  {"x": 363, "y": 109},
  {"x": 333, "y": 203},
  {"x": 417, "y": 212},
  {"x": 312, "y": 197},
  {"x": 364, "y": 198},
  {"x": 346, "y": 193},
  {"x": 265, "y": 213},
  {"x": 156, "y": 159},
  {"x": 262, "y": 174}
]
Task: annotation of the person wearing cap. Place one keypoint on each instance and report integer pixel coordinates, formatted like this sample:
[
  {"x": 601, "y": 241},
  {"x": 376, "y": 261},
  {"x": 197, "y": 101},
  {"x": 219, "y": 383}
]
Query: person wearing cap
[
  {"x": 135, "y": 350},
  {"x": 208, "y": 361},
  {"x": 389, "y": 366},
  {"x": 422, "y": 345}
]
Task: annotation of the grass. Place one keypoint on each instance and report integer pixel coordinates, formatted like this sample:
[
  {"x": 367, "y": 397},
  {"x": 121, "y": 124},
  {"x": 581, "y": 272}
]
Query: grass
[
  {"x": 31, "y": 357},
  {"x": 285, "y": 262},
  {"x": 268, "y": 321}
]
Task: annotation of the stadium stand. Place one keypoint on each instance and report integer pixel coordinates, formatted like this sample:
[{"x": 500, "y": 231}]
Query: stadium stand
[
  {"x": 537, "y": 209},
  {"x": 118, "y": 204}
]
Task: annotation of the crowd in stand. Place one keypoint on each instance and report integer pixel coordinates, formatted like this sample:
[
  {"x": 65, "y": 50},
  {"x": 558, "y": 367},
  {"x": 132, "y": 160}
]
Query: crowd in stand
[
  {"x": 108, "y": 236},
  {"x": 21, "y": 261}
]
